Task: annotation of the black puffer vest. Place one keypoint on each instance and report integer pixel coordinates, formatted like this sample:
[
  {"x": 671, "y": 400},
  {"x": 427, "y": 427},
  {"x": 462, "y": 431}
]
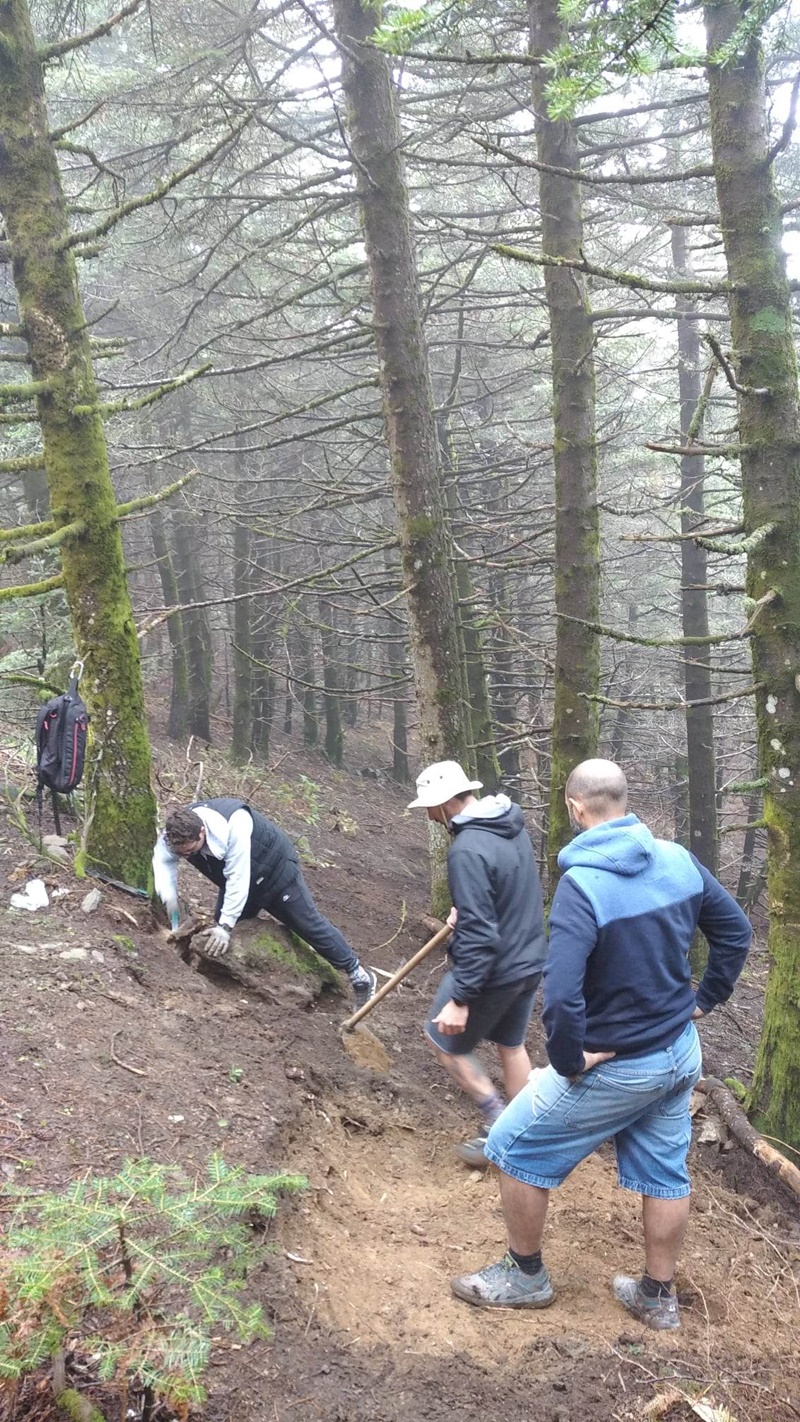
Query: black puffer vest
[{"x": 273, "y": 857}]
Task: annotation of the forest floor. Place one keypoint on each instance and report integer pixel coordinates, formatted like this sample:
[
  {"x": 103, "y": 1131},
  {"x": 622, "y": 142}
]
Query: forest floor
[{"x": 355, "y": 1282}]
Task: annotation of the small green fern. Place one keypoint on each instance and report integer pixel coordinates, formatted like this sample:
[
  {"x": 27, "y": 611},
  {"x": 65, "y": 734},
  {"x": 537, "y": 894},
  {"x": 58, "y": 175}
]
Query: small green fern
[{"x": 157, "y": 1260}]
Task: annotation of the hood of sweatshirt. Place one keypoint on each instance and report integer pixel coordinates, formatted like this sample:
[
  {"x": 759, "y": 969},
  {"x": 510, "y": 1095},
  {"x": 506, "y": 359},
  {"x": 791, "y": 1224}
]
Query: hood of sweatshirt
[
  {"x": 495, "y": 814},
  {"x": 624, "y": 846}
]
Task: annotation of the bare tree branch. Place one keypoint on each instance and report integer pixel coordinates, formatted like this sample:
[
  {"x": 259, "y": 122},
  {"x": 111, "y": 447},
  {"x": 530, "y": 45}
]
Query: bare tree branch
[{"x": 65, "y": 46}]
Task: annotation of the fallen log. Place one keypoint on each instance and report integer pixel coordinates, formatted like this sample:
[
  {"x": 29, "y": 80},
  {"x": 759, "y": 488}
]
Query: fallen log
[{"x": 732, "y": 1114}]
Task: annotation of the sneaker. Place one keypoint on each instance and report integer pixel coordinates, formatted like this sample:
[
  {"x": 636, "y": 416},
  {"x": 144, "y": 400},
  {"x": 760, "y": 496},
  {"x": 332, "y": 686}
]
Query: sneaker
[
  {"x": 471, "y": 1152},
  {"x": 504, "y": 1285},
  {"x": 365, "y": 989},
  {"x": 654, "y": 1313}
]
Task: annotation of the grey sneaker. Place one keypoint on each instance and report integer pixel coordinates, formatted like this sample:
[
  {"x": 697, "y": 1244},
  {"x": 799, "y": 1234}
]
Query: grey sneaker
[
  {"x": 365, "y": 990},
  {"x": 654, "y": 1313},
  {"x": 471, "y": 1152},
  {"x": 503, "y": 1285}
]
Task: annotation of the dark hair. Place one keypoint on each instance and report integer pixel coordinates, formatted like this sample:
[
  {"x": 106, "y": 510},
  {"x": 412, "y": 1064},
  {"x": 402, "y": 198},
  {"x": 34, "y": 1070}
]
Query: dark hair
[{"x": 182, "y": 827}]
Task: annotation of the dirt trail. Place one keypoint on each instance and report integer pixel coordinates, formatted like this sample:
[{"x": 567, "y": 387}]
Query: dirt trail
[{"x": 394, "y": 1215}]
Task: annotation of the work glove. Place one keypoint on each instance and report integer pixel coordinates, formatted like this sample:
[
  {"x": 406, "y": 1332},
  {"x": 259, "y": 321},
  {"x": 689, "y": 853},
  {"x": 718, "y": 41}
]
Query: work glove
[
  {"x": 217, "y": 941},
  {"x": 174, "y": 912}
]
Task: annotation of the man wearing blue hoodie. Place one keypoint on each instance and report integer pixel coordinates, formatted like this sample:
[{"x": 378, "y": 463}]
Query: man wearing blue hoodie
[
  {"x": 498, "y": 945},
  {"x": 624, "y": 1052}
]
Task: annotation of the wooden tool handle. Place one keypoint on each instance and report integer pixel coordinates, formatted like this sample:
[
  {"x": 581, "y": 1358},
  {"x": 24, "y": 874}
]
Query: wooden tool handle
[{"x": 438, "y": 938}]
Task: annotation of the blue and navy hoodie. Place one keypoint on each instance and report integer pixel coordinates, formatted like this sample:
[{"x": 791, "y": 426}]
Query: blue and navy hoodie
[{"x": 624, "y": 914}]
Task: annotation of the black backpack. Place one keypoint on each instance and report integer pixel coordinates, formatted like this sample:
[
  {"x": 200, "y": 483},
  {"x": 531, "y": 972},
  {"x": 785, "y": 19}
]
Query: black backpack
[{"x": 61, "y": 730}]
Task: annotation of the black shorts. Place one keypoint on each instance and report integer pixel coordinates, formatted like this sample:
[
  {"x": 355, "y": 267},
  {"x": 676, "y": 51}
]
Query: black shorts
[{"x": 499, "y": 1015}]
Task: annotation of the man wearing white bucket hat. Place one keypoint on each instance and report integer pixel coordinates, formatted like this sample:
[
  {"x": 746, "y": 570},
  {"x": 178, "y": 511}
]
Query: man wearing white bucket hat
[{"x": 498, "y": 946}]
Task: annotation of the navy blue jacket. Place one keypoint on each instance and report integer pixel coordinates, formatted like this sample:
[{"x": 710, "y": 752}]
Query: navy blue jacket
[
  {"x": 499, "y": 938},
  {"x": 624, "y": 914}
]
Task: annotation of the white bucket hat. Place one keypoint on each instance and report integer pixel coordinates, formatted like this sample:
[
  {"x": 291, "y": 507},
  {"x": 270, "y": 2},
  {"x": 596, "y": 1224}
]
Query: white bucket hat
[{"x": 440, "y": 782}]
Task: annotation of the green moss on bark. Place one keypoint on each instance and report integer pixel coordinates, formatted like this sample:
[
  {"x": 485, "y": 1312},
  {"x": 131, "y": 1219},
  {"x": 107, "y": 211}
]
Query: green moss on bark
[
  {"x": 121, "y": 807},
  {"x": 769, "y": 430}
]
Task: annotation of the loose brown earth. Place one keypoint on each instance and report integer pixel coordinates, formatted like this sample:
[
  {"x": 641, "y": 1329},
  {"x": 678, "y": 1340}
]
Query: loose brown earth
[{"x": 356, "y": 1282}]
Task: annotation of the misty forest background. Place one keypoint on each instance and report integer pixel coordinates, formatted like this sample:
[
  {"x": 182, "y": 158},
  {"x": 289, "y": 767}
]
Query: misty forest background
[{"x": 430, "y": 370}]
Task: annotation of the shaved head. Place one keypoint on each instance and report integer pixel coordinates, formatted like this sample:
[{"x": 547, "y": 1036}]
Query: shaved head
[{"x": 600, "y": 787}]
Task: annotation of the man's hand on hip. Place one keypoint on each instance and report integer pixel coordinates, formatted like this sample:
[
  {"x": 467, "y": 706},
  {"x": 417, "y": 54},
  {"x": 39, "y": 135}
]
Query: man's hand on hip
[
  {"x": 698, "y": 1013},
  {"x": 592, "y": 1059},
  {"x": 217, "y": 941},
  {"x": 452, "y": 1019}
]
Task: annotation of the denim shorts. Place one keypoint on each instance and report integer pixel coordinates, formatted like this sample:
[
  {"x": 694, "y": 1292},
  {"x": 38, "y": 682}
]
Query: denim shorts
[
  {"x": 642, "y": 1103},
  {"x": 499, "y": 1015}
]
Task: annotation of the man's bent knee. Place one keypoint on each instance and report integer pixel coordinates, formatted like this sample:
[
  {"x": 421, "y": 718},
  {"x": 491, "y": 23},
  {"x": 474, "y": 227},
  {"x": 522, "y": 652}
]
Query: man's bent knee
[{"x": 440, "y": 1056}]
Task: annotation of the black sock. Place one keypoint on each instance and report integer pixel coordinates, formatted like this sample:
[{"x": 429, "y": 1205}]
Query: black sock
[
  {"x": 528, "y": 1263},
  {"x": 655, "y": 1288}
]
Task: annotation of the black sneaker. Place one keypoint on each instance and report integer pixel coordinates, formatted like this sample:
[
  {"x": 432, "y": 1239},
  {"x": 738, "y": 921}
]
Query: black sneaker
[{"x": 366, "y": 989}]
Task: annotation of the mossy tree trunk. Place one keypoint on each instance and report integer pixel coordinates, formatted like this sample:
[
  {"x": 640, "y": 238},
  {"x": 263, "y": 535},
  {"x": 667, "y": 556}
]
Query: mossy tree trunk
[
  {"x": 351, "y": 676},
  {"x": 242, "y": 747},
  {"x": 266, "y": 560},
  {"x": 396, "y": 656},
  {"x": 241, "y": 733},
  {"x": 179, "y": 692},
  {"x": 121, "y": 818},
  {"x": 769, "y": 429},
  {"x": 422, "y": 524},
  {"x": 396, "y": 663},
  {"x": 701, "y": 760},
  {"x": 504, "y": 674},
  {"x": 188, "y": 561},
  {"x": 577, "y": 571},
  {"x": 332, "y": 682},
  {"x": 304, "y": 639},
  {"x": 747, "y": 863},
  {"x": 624, "y": 719},
  {"x": 479, "y": 706},
  {"x": 679, "y": 787}
]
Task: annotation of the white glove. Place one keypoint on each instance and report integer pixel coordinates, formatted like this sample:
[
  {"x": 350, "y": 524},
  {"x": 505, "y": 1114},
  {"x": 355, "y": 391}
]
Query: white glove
[{"x": 217, "y": 941}]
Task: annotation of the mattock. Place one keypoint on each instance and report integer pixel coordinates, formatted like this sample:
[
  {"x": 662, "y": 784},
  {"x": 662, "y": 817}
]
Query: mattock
[{"x": 357, "y": 1018}]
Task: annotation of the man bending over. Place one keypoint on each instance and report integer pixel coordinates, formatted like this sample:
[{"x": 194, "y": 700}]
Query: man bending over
[{"x": 254, "y": 866}]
